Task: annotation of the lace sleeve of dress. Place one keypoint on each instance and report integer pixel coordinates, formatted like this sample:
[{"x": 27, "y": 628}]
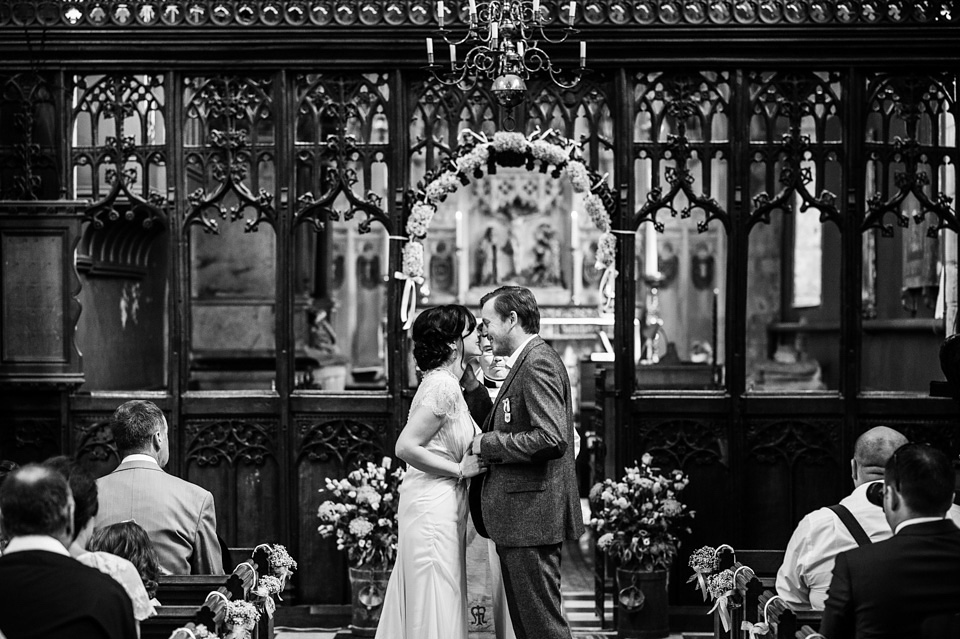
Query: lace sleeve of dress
[{"x": 441, "y": 394}]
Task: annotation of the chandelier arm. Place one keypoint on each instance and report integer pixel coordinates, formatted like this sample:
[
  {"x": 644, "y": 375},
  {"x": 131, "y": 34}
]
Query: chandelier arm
[
  {"x": 567, "y": 32},
  {"x": 470, "y": 35},
  {"x": 449, "y": 79},
  {"x": 555, "y": 76}
]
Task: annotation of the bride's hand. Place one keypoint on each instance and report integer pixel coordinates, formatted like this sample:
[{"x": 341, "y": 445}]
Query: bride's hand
[{"x": 472, "y": 465}]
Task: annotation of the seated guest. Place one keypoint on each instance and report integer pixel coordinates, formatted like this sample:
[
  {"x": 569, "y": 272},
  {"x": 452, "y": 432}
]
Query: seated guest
[
  {"x": 804, "y": 577},
  {"x": 178, "y": 516},
  {"x": 887, "y": 589},
  {"x": 820, "y": 536},
  {"x": 83, "y": 487},
  {"x": 130, "y": 541},
  {"x": 54, "y": 595}
]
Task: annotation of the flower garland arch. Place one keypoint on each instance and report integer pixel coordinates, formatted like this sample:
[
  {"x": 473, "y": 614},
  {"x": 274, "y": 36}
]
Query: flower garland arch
[{"x": 477, "y": 154}]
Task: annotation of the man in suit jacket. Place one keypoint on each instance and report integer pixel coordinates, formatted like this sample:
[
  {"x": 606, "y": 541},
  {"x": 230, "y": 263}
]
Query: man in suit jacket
[
  {"x": 179, "y": 517},
  {"x": 888, "y": 589},
  {"x": 529, "y": 500},
  {"x": 44, "y": 592}
]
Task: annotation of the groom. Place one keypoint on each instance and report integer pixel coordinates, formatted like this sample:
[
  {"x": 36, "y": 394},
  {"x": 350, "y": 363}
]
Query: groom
[{"x": 529, "y": 500}]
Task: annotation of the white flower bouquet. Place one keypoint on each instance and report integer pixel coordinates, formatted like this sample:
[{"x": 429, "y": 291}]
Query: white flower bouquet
[{"x": 361, "y": 512}]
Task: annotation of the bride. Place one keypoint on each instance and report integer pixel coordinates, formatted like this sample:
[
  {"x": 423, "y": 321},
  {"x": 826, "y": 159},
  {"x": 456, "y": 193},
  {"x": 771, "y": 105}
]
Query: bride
[{"x": 426, "y": 596}]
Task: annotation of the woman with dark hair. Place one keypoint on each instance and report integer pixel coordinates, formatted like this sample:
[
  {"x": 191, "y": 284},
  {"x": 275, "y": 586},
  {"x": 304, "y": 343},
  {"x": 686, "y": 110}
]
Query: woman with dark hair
[
  {"x": 129, "y": 540},
  {"x": 86, "y": 505},
  {"x": 426, "y": 597}
]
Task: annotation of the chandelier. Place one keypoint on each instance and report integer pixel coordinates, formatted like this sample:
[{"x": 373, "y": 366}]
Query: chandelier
[{"x": 504, "y": 38}]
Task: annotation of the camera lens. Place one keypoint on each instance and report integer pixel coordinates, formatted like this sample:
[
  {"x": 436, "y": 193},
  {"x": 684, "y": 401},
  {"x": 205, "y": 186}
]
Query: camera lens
[{"x": 875, "y": 493}]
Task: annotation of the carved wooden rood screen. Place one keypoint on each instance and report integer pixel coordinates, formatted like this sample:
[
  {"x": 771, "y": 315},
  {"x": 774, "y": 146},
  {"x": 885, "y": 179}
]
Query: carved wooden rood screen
[{"x": 203, "y": 202}]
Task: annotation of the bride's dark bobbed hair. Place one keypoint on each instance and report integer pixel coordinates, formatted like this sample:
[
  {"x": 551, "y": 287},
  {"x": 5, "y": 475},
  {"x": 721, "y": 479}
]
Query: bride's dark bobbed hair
[{"x": 435, "y": 330}]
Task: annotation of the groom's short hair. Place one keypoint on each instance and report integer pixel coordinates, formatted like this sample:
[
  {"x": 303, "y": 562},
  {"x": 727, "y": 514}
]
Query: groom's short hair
[{"x": 519, "y": 300}]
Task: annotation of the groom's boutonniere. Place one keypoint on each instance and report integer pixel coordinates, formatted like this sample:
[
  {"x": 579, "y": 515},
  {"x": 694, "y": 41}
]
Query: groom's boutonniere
[{"x": 506, "y": 410}]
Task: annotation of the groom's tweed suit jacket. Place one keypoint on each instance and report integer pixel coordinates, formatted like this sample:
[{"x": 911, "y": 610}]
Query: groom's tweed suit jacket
[
  {"x": 529, "y": 493},
  {"x": 179, "y": 517}
]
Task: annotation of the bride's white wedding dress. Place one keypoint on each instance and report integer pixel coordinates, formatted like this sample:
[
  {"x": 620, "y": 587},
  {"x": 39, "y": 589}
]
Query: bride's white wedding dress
[{"x": 426, "y": 596}]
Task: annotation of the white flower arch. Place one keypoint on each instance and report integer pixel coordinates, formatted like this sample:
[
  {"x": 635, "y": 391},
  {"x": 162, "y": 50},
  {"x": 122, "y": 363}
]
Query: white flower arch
[{"x": 473, "y": 156}]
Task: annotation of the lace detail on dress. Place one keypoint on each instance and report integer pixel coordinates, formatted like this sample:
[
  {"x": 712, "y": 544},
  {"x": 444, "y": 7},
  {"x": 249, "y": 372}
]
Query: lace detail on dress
[{"x": 440, "y": 392}]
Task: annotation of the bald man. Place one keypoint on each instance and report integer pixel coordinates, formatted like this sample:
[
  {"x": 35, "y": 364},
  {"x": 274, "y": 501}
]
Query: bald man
[{"x": 807, "y": 567}]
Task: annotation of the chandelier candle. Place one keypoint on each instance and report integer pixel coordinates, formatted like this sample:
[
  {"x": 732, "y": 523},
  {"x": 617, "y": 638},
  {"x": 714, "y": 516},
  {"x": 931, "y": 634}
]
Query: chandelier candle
[{"x": 504, "y": 40}]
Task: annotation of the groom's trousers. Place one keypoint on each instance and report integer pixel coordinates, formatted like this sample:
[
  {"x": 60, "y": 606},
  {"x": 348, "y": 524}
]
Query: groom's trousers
[{"x": 531, "y": 578}]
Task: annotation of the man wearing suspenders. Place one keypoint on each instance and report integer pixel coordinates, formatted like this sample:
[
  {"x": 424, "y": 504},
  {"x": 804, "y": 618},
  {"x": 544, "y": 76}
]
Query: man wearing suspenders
[{"x": 804, "y": 577}]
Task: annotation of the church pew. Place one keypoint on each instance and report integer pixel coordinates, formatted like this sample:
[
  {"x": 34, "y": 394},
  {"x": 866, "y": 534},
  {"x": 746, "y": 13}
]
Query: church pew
[
  {"x": 806, "y": 632},
  {"x": 787, "y": 622},
  {"x": 764, "y": 563},
  {"x": 187, "y": 590},
  {"x": 168, "y": 619},
  {"x": 211, "y": 610}
]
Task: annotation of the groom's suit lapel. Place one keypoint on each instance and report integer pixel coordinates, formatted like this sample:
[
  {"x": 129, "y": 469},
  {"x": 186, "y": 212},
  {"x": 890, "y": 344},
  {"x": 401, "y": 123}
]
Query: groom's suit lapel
[{"x": 488, "y": 422}]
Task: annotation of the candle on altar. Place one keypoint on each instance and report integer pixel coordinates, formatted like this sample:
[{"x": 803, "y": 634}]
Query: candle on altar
[
  {"x": 494, "y": 33},
  {"x": 651, "y": 268},
  {"x": 462, "y": 259},
  {"x": 576, "y": 255}
]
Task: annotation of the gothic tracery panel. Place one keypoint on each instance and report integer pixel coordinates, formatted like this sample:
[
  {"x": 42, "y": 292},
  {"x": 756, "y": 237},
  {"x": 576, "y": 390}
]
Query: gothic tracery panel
[{"x": 28, "y": 154}]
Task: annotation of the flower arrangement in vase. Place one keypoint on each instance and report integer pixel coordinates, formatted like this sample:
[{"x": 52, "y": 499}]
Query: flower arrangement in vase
[
  {"x": 639, "y": 519},
  {"x": 361, "y": 512}
]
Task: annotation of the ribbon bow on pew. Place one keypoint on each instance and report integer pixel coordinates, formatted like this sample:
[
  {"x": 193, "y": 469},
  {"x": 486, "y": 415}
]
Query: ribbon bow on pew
[{"x": 755, "y": 629}]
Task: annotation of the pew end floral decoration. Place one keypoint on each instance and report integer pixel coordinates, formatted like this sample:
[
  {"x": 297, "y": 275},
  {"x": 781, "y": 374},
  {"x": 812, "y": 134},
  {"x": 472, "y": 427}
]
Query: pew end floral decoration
[
  {"x": 639, "y": 520},
  {"x": 361, "y": 513},
  {"x": 240, "y": 618},
  {"x": 704, "y": 562},
  {"x": 475, "y": 154},
  {"x": 721, "y": 589}
]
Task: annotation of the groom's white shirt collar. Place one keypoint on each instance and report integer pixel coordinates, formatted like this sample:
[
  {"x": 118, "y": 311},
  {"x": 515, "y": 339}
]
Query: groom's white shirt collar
[
  {"x": 510, "y": 361},
  {"x": 139, "y": 457}
]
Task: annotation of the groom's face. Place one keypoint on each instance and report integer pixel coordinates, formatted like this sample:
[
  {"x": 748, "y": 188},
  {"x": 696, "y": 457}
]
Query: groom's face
[{"x": 497, "y": 330}]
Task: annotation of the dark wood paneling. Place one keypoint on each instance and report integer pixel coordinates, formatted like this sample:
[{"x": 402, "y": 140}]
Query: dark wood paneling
[
  {"x": 236, "y": 460},
  {"x": 329, "y": 446}
]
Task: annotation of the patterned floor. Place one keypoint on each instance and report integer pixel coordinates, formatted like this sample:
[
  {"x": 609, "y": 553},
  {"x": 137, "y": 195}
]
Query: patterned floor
[{"x": 578, "y": 605}]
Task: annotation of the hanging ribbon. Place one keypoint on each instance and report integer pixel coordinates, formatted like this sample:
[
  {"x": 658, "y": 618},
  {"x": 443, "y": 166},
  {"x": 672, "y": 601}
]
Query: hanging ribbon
[
  {"x": 408, "y": 302},
  {"x": 607, "y": 289},
  {"x": 722, "y": 607},
  {"x": 756, "y": 629},
  {"x": 701, "y": 582}
]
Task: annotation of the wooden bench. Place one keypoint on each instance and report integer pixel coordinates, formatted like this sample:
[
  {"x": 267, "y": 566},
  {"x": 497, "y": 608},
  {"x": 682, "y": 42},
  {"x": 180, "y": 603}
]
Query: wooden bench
[
  {"x": 784, "y": 622},
  {"x": 168, "y": 619},
  {"x": 187, "y": 590},
  {"x": 211, "y": 608},
  {"x": 763, "y": 563}
]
